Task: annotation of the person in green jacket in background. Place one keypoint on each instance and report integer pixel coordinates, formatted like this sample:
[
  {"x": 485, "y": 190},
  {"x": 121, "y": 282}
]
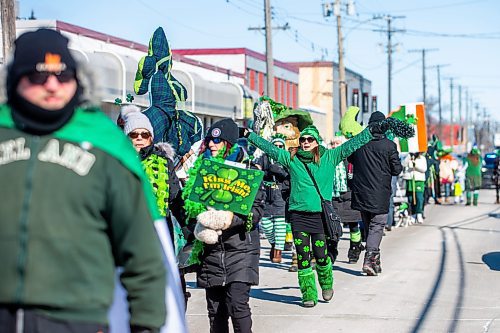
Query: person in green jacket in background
[
  {"x": 473, "y": 176},
  {"x": 305, "y": 203}
]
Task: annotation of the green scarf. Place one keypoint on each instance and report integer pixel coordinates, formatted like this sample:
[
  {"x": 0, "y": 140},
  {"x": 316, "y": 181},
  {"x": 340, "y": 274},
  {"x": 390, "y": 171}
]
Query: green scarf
[{"x": 308, "y": 156}]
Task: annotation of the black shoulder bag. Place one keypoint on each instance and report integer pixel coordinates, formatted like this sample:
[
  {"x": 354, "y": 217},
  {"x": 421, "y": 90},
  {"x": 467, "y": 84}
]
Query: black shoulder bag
[{"x": 332, "y": 223}]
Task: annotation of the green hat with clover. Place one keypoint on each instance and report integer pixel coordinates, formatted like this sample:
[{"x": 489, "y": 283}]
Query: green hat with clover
[{"x": 311, "y": 130}]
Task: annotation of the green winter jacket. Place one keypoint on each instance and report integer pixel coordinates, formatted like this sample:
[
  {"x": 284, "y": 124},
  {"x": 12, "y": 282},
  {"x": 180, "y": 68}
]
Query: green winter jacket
[
  {"x": 75, "y": 204},
  {"x": 303, "y": 195}
]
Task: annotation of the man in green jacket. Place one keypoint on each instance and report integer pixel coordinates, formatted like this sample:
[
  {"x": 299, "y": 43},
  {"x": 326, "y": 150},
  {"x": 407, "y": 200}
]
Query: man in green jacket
[{"x": 75, "y": 204}]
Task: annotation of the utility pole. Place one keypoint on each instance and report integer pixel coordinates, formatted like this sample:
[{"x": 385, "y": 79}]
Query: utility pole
[
  {"x": 342, "y": 83},
  {"x": 8, "y": 17},
  {"x": 452, "y": 136},
  {"x": 335, "y": 9},
  {"x": 269, "y": 47},
  {"x": 440, "y": 109},
  {"x": 390, "y": 47},
  {"x": 460, "y": 123},
  {"x": 423, "y": 51}
]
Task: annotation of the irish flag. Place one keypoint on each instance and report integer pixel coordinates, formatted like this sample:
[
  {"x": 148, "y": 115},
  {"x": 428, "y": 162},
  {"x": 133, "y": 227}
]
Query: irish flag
[{"x": 413, "y": 113}]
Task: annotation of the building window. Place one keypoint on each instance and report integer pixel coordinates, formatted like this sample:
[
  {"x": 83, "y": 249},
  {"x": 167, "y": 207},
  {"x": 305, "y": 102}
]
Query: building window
[
  {"x": 251, "y": 79},
  {"x": 261, "y": 83}
]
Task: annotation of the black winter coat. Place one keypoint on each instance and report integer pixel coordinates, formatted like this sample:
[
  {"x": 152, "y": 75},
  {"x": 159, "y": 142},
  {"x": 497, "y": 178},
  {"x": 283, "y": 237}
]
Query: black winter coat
[
  {"x": 374, "y": 165},
  {"x": 275, "y": 186},
  {"x": 235, "y": 257}
]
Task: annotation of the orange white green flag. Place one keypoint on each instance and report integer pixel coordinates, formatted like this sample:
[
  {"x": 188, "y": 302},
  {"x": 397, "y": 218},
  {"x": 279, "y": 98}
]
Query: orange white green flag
[{"x": 414, "y": 114}]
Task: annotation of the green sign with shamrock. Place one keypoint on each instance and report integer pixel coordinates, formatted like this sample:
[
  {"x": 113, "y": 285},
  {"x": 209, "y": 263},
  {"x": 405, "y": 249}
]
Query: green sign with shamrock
[{"x": 226, "y": 187}]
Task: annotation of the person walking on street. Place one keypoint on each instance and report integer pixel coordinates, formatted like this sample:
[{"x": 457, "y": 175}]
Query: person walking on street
[
  {"x": 273, "y": 222},
  {"x": 79, "y": 204},
  {"x": 342, "y": 203},
  {"x": 473, "y": 176},
  {"x": 374, "y": 165},
  {"x": 229, "y": 259},
  {"x": 307, "y": 161}
]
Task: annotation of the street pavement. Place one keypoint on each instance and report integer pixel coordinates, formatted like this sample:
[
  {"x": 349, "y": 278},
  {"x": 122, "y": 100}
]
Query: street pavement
[{"x": 441, "y": 276}]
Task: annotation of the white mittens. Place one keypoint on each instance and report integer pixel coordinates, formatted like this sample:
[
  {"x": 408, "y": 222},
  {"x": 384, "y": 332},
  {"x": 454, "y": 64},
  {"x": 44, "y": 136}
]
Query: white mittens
[
  {"x": 210, "y": 225},
  {"x": 206, "y": 235},
  {"x": 215, "y": 219}
]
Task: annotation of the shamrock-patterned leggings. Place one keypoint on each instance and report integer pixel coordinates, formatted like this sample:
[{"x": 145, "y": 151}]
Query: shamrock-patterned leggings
[{"x": 303, "y": 241}]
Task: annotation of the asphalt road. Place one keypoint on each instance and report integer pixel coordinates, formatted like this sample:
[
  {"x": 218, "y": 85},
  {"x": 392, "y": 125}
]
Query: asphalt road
[{"x": 442, "y": 276}]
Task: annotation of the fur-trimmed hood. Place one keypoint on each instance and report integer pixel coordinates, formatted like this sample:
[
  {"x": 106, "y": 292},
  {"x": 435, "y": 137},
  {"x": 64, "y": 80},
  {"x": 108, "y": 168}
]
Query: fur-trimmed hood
[{"x": 167, "y": 149}]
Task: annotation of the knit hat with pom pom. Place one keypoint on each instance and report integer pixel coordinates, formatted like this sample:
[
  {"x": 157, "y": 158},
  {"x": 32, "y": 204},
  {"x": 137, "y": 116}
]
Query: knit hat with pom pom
[{"x": 133, "y": 119}]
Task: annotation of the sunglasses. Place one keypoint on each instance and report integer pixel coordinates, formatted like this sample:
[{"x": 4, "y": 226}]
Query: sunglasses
[
  {"x": 214, "y": 140},
  {"x": 309, "y": 139},
  {"x": 280, "y": 146},
  {"x": 135, "y": 135},
  {"x": 42, "y": 77}
]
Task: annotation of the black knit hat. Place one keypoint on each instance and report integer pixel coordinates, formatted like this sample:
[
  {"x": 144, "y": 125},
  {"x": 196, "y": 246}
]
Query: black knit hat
[
  {"x": 225, "y": 129},
  {"x": 41, "y": 50},
  {"x": 376, "y": 116}
]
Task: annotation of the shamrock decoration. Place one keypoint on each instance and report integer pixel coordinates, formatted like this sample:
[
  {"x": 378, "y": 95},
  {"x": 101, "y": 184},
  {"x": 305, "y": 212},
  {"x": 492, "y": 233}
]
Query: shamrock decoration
[
  {"x": 298, "y": 241},
  {"x": 321, "y": 260},
  {"x": 211, "y": 202},
  {"x": 118, "y": 101},
  {"x": 215, "y": 167},
  {"x": 304, "y": 234},
  {"x": 306, "y": 248},
  {"x": 244, "y": 173},
  {"x": 238, "y": 199},
  {"x": 203, "y": 172},
  {"x": 130, "y": 98},
  {"x": 305, "y": 263},
  {"x": 411, "y": 119},
  {"x": 251, "y": 177},
  {"x": 198, "y": 190},
  {"x": 206, "y": 162},
  {"x": 299, "y": 256},
  {"x": 244, "y": 207},
  {"x": 319, "y": 243},
  {"x": 226, "y": 206}
]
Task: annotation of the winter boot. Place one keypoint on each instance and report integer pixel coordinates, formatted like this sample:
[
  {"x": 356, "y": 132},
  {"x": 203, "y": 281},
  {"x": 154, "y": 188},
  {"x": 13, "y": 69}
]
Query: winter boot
[
  {"x": 468, "y": 195},
  {"x": 420, "y": 218},
  {"x": 307, "y": 284},
  {"x": 276, "y": 256},
  {"x": 475, "y": 198},
  {"x": 354, "y": 252},
  {"x": 370, "y": 264},
  {"x": 295, "y": 266},
  {"x": 325, "y": 278},
  {"x": 378, "y": 267}
]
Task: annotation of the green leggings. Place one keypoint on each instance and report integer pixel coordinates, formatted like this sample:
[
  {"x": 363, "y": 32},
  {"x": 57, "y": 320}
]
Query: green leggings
[{"x": 303, "y": 242}]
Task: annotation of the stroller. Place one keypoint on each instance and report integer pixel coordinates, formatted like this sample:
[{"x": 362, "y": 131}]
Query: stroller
[{"x": 402, "y": 217}]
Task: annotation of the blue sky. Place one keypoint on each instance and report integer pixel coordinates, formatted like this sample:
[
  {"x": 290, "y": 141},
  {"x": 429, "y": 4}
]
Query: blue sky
[{"x": 467, "y": 34}]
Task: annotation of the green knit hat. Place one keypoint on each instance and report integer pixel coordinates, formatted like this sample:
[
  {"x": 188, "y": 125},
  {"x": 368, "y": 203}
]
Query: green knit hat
[{"x": 311, "y": 130}]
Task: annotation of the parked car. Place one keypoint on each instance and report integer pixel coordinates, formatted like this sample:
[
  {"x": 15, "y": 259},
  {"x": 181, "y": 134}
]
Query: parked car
[{"x": 488, "y": 169}]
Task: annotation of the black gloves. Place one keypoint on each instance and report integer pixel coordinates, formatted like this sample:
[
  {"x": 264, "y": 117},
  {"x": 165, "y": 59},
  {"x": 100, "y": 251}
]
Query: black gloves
[
  {"x": 243, "y": 132},
  {"x": 379, "y": 127}
]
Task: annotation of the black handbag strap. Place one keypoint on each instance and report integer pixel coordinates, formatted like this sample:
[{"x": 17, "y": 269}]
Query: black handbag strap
[{"x": 313, "y": 180}]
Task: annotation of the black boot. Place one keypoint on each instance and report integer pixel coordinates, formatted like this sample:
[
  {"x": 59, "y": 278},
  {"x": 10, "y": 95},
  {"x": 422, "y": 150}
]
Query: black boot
[
  {"x": 370, "y": 263},
  {"x": 271, "y": 252},
  {"x": 354, "y": 252}
]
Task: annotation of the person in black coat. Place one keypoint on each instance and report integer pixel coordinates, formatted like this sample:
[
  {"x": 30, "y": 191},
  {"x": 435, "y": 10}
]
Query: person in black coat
[
  {"x": 273, "y": 222},
  {"x": 374, "y": 165},
  {"x": 229, "y": 262}
]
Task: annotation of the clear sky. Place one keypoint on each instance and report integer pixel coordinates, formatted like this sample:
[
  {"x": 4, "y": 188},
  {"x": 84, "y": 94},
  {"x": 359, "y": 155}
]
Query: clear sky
[{"x": 466, "y": 34}]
